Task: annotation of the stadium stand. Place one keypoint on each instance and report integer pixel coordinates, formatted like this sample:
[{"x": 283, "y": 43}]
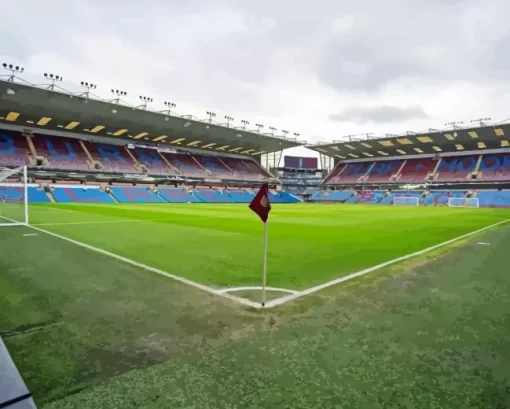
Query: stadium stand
[
  {"x": 383, "y": 171},
  {"x": 417, "y": 170},
  {"x": 177, "y": 195},
  {"x": 153, "y": 162},
  {"x": 351, "y": 173},
  {"x": 60, "y": 153},
  {"x": 495, "y": 167},
  {"x": 81, "y": 195},
  {"x": 14, "y": 149},
  {"x": 456, "y": 168},
  {"x": 135, "y": 195},
  {"x": 112, "y": 158}
]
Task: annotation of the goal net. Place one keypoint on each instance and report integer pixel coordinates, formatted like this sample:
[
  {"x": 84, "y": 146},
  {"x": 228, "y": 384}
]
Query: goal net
[
  {"x": 406, "y": 201},
  {"x": 13, "y": 197},
  {"x": 463, "y": 202}
]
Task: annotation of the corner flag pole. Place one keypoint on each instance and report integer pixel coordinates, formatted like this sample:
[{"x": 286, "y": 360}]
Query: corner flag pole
[{"x": 264, "y": 266}]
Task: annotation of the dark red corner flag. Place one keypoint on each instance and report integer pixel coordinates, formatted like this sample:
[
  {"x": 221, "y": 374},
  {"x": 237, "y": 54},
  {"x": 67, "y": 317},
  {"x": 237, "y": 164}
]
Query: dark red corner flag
[{"x": 260, "y": 203}]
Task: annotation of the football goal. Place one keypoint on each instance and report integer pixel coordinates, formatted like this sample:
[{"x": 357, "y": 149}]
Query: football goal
[
  {"x": 406, "y": 201},
  {"x": 13, "y": 197},
  {"x": 463, "y": 202}
]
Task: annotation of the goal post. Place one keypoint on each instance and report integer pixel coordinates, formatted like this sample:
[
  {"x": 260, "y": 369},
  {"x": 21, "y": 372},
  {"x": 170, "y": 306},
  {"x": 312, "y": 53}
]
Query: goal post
[
  {"x": 13, "y": 197},
  {"x": 406, "y": 201},
  {"x": 463, "y": 202}
]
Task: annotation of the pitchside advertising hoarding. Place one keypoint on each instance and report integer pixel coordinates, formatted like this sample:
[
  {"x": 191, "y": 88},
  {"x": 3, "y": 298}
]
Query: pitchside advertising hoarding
[{"x": 297, "y": 162}]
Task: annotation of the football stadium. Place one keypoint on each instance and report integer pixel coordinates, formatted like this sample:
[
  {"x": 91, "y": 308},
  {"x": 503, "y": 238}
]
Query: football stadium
[{"x": 133, "y": 273}]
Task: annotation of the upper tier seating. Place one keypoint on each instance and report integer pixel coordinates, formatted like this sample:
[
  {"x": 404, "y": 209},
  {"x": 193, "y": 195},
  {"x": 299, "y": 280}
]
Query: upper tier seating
[
  {"x": 456, "y": 168},
  {"x": 495, "y": 167},
  {"x": 62, "y": 153},
  {"x": 114, "y": 158},
  {"x": 152, "y": 160},
  {"x": 213, "y": 164},
  {"x": 351, "y": 173},
  {"x": 382, "y": 171},
  {"x": 416, "y": 170},
  {"x": 245, "y": 170},
  {"x": 186, "y": 164},
  {"x": 13, "y": 149}
]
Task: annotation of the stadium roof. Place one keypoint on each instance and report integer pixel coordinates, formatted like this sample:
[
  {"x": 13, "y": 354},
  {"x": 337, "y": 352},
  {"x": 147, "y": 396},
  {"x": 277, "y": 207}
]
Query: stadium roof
[
  {"x": 494, "y": 136},
  {"x": 32, "y": 106}
]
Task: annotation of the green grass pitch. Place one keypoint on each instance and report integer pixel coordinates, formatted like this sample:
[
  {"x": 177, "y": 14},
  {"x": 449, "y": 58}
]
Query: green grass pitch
[{"x": 89, "y": 331}]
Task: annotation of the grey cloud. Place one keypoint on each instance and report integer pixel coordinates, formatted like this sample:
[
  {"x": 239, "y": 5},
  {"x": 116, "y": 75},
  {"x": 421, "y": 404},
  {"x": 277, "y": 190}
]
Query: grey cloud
[
  {"x": 390, "y": 44},
  {"x": 379, "y": 114}
]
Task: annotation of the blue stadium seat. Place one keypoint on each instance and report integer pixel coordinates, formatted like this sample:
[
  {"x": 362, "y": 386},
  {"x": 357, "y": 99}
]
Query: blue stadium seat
[
  {"x": 135, "y": 195},
  {"x": 494, "y": 198},
  {"x": 177, "y": 195},
  {"x": 81, "y": 195}
]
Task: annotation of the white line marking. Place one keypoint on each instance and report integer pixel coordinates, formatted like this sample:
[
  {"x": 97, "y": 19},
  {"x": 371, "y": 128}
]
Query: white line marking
[
  {"x": 484, "y": 244},
  {"x": 94, "y": 222},
  {"x": 30, "y": 235},
  {"x": 202, "y": 287},
  {"x": 233, "y": 289},
  {"x": 287, "y": 298}
]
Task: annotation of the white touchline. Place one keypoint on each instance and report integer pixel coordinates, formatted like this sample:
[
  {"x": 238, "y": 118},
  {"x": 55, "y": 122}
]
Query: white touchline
[
  {"x": 92, "y": 222},
  {"x": 202, "y": 287},
  {"x": 287, "y": 298}
]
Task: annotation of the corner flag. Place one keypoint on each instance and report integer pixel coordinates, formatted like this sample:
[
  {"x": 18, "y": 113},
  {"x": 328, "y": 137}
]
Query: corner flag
[{"x": 262, "y": 206}]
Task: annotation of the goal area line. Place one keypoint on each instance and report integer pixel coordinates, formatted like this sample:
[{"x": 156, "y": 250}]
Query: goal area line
[{"x": 292, "y": 294}]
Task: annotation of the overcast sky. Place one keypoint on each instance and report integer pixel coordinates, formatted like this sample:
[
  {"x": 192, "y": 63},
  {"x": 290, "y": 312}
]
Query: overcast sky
[{"x": 324, "y": 69}]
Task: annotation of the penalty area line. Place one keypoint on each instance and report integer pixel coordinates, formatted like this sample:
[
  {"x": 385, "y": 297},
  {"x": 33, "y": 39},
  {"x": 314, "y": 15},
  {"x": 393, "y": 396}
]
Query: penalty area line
[
  {"x": 290, "y": 297},
  {"x": 183, "y": 280}
]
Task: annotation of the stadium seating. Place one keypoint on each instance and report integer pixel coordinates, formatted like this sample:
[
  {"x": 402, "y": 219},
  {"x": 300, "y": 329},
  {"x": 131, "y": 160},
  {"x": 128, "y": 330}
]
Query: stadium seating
[
  {"x": 456, "y": 168},
  {"x": 332, "y": 196},
  {"x": 389, "y": 196},
  {"x": 352, "y": 173},
  {"x": 113, "y": 158},
  {"x": 81, "y": 195},
  {"x": 244, "y": 170},
  {"x": 494, "y": 198},
  {"x": 495, "y": 167},
  {"x": 14, "y": 149},
  {"x": 441, "y": 197},
  {"x": 213, "y": 164},
  {"x": 16, "y": 194},
  {"x": 382, "y": 171},
  {"x": 212, "y": 196},
  {"x": 366, "y": 197},
  {"x": 186, "y": 164},
  {"x": 416, "y": 170},
  {"x": 152, "y": 160},
  {"x": 177, "y": 195},
  {"x": 135, "y": 195},
  {"x": 239, "y": 196},
  {"x": 61, "y": 153}
]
